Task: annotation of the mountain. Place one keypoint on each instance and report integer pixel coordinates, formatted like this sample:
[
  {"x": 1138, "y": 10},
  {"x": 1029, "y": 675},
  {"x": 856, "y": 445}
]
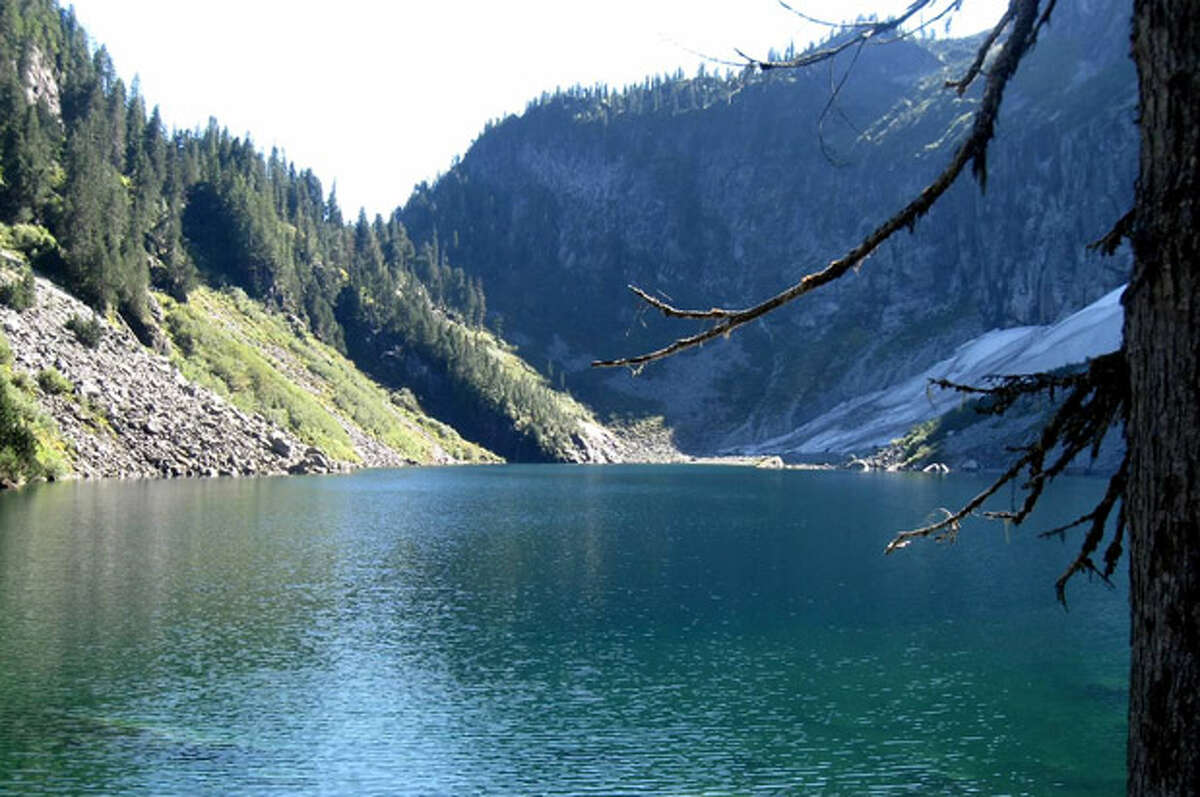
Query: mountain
[
  {"x": 479, "y": 305},
  {"x": 720, "y": 190},
  {"x": 98, "y": 196}
]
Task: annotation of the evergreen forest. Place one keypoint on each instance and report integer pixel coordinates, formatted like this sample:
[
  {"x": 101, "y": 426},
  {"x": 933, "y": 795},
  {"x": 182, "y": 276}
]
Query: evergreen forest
[{"x": 98, "y": 195}]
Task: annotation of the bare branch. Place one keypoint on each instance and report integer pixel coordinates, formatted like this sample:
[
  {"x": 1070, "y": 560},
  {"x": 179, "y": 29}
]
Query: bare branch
[
  {"x": 1098, "y": 399},
  {"x": 864, "y": 32},
  {"x": 725, "y": 327},
  {"x": 981, "y": 54},
  {"x": 1011, "y": 388},
  {"x": 1098, "y": 518},
  {"x": 973, "y": 151},
  {"x": 908, "y": 34},
  {"x": 709, "y": 58},
  {"x": 1111, "y": 241},
  {"x": 947, "y": 528},
  {"x": 950, "y": 8},
  {"x": 674, "y": 312},
  {"x": 826, "y": 23},
  {"x": 835, "y": 90}
]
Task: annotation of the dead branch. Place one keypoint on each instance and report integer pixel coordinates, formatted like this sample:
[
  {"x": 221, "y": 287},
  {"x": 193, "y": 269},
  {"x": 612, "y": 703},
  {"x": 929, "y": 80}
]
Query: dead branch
[
  {"x": 835, "y": 90},
  {"x": 949, "y": 9},
  {"x": 981, "y": 55},
  {"x": 824, "y": 22},
  {"x": 671, "y": 312},
  {"x": 1098, "y": 519},
  {"x": 863, "y": 32},
  {"x": 972, "y": 151},
  {"x": 1111, "y": 241},
  {"x": 911, "y": 32},
  {"x": 946, "y": 529},
  {"x": 1097, "y": 399}
]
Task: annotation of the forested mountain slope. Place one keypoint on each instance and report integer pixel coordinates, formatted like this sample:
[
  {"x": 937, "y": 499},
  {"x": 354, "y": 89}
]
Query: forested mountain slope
[
  {"x": 722, "y": 190},
  {"x": 96, "y": 194}
]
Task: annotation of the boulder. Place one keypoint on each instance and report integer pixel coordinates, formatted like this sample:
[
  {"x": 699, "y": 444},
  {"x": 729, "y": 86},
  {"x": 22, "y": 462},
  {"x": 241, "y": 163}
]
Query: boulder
[{"x": 280, "y": 446}]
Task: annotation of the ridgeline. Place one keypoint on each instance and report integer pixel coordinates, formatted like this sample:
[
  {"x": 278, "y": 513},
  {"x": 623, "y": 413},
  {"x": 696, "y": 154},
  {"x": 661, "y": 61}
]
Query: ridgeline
[
  {"x": 461, "y": 327},
  {"x": 223, "y": 263}
]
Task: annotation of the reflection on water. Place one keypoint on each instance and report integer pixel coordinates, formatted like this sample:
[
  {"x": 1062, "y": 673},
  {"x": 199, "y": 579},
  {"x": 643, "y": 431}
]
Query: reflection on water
[{"x": 548, "y": 629}]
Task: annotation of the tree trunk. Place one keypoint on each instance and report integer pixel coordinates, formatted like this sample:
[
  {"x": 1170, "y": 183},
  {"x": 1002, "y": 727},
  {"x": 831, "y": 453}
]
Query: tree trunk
[{"x": 1162, "y": 338}]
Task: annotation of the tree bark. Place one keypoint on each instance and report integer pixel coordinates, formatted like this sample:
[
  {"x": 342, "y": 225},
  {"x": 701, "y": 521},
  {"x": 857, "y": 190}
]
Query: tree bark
[{"x": 1162, "y": 339}]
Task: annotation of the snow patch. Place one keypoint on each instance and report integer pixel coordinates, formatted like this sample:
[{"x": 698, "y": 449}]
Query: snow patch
[{"x": 874, "y": 419}]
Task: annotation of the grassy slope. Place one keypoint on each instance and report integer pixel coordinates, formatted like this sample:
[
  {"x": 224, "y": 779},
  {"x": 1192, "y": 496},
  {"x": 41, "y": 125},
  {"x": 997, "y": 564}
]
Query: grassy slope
[
  {"x": 261, "y": 363},
  {"x": 50, "y": 456},
  {"x": 19, "y": 413}
]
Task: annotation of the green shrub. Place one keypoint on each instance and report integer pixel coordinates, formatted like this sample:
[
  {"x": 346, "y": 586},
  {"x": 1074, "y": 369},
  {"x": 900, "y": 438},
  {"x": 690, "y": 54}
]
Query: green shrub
[
  {"x": 37, "y": 247},
  {"x": 5, "y": 350},
  {"x": 53, "y": 382},
  {"x": 19, "y": 293},
  {"x": 88, "y": 331},
  {"x": 18, "y": 446},
  {"x": 21, "y": 381},
  {"x": 33, "y": 241},
  {"x": 406, "y": 399},
  {"x": 182, "y": 331},
  {"x": 31, "y": 446}
]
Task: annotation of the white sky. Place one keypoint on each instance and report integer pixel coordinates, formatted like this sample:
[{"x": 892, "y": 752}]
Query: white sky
[{"x": 382, "y": 94}]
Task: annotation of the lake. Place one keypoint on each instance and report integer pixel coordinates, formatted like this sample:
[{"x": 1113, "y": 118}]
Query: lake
[{"x": 550, "y": 629}]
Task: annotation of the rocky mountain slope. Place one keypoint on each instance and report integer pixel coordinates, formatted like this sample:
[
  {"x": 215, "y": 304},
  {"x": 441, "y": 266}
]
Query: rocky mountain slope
[
  {"x": 715, "y": 191},
  {"x": 122, "y": 410},
  {"x": 239, "y": 391}
]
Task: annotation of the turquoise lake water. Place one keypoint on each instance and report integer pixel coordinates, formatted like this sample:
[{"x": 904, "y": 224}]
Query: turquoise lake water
[{"x": 549, "y": 629}]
